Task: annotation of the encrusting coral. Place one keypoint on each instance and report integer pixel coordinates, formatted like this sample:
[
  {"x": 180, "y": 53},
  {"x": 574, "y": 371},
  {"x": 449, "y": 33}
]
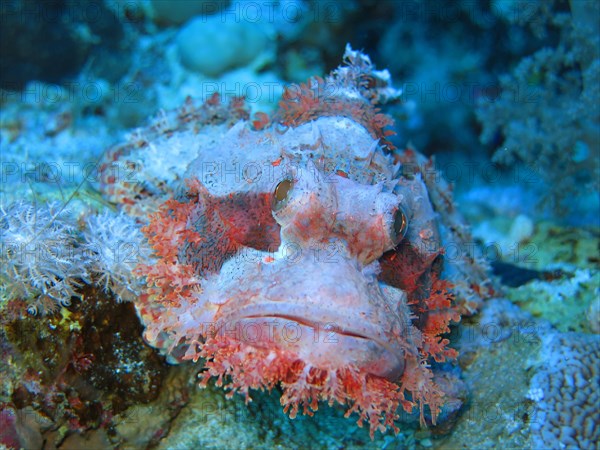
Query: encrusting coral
[{"x": 296, "y": 252}]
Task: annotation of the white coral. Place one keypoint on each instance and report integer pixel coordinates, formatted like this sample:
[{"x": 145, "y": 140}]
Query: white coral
[
  {"x": 41, "y": 261},
  {"x": 116, "y": 246}
]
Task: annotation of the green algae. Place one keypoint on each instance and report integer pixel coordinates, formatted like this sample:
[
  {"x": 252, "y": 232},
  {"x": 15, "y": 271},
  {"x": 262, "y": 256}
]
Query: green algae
[{"x": 564, "y": 295}]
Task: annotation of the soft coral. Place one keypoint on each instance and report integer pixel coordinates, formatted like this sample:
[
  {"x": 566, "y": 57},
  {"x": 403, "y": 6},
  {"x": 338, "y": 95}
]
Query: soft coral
[{"x": 42, "y": 261}]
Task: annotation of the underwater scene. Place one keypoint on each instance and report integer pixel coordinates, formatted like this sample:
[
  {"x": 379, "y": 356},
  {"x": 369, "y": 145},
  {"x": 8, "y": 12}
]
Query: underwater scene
[{"x": 299, "y": 224}]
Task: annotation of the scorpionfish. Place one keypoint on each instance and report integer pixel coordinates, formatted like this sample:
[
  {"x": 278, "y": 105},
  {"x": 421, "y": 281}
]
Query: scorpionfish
[{"x": 300, "y": 250}]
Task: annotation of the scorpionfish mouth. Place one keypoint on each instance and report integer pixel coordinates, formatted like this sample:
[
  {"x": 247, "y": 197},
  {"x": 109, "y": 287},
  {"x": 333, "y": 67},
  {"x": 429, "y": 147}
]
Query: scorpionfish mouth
[{"x": 326, "y": 314}]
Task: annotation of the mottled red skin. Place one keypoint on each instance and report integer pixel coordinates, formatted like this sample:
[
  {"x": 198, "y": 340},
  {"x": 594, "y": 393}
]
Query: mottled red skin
[
  {"x": 218, "y": 227},
  {"x": 227, "y": 224}
]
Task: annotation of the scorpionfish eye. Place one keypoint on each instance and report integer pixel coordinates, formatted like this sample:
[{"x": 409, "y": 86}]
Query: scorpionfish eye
[
  {"x": 280, "y": 195},
  {"x": 400, "y": 225}
]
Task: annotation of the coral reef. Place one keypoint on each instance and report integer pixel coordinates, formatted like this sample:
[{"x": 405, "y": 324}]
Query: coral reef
[
  {"x": 563, "y": 297},
  {"x": 73, "y": 372},
  {"x": 205, "y": 44},
  {"x": 498, "y": 413},
  {"x": 258, "y": 250},
  {"x": 552, "y": 270}
]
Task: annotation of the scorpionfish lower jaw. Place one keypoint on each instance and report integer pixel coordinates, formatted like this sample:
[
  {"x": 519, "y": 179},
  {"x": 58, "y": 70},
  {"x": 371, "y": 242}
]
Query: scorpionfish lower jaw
[{"x": 337, "y": 319}]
